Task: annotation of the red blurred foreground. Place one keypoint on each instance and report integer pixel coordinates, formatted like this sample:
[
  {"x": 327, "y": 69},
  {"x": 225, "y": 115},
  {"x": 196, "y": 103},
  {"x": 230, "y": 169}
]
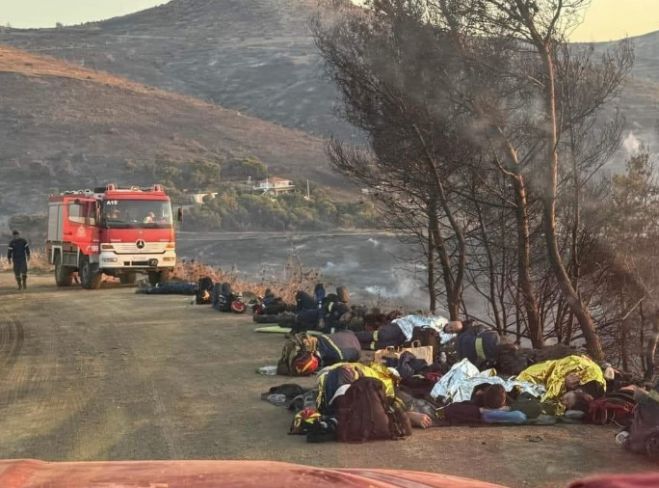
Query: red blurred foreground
[{"x": 247, "y": 474}]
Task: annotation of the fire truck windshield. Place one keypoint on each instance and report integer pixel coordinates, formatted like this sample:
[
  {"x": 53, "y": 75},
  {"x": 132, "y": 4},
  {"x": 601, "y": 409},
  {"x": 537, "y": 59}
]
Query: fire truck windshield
[{"x": 137, "y": 213}]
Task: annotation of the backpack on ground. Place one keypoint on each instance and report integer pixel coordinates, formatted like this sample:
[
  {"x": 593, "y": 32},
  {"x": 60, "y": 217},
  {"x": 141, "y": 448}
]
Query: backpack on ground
[
  {"x": 365, "y": 413},
  {"x": 427, "y": 336},
  {"x": 204, "y": 291},
  {"x": 644, "y": 430},
  {"x": 296, "y": 344},
  {"x": 616, "y": 409},
  {"x": 304, "y": 301},
  {"x": 222, "y": 297}
]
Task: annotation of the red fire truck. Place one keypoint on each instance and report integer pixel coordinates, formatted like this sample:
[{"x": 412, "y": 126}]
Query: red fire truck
[{"x": 112, "y": 230}]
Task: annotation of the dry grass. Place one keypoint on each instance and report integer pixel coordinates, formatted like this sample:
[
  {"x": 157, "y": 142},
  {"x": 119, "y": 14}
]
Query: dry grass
[
  {"x": 38, "y": 263},
  {"x": 294, "y": 277}
]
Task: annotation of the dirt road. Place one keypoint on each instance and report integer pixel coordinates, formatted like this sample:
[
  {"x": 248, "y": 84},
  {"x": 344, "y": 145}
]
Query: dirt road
[{"x": 111, "y": 375}]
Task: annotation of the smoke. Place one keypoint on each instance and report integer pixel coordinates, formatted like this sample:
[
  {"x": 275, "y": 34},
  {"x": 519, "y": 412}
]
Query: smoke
[
  {"x": 375, "y": 242},
  {"x": 333, "y": 268},
  {"x": 631, "y": 144},
  {"x": 405, "y": 287}
]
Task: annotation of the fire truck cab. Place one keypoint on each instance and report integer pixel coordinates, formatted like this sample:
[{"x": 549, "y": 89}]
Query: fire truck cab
[{"x": 115, "y": 231}]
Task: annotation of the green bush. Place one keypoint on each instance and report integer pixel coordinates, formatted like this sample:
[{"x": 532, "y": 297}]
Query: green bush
[
  {"x": 235, "y": 209},
  {"x": 243, "y": 168}
]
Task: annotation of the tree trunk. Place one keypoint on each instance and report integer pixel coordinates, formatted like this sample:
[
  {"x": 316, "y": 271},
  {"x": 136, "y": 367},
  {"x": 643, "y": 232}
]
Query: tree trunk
[
  {"x": 518, "y": 322},
  {"x": 549, "y": 215},
  {"x": 524, "y": 265},
  {"x": 485, "y": 237},
  {"x": 651, "y": 347},
  {"x": 622, "y": 338},
  {"x": 502, "y": 284},
  {"x": 569, "y": 329},
  {"x": 641, "y": 337},
  {"x": 453, "y": 305},
  {"x": 431, "y": 265},
  {"x": 454, "y": 291}
]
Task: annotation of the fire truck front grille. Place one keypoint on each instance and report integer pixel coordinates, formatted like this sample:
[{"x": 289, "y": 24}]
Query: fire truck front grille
[{"x": 131, "y": 248}]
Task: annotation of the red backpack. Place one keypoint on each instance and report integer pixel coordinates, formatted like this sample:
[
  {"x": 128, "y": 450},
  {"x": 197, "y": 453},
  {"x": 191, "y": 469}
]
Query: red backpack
[
  {"x": 616, "y": 409},
  {"x": 365, "y": 413}
]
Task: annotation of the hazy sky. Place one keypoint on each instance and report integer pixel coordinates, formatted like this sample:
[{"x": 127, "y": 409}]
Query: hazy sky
[{"x": 605, "y": 20}]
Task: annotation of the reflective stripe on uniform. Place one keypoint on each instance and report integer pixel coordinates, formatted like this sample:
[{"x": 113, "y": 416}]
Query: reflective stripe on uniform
[
  {"x": 335, "y": 347},
  {"x": 480, "y": 351},
  {"x": 375, "y": 340}
]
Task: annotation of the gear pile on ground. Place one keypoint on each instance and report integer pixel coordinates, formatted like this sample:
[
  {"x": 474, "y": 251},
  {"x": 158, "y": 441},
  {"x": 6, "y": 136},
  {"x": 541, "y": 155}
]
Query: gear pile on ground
[
  {"x": 379, "y": 374},
  {"x": 219, "y": 295}
]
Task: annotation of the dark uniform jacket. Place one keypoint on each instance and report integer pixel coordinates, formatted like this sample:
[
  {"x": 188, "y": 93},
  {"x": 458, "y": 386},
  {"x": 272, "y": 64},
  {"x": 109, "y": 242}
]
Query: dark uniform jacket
[
  {"x": 18, "y": 252},
  {"x": 340, "y": 347},
  {"x": 478, "y": 344}
]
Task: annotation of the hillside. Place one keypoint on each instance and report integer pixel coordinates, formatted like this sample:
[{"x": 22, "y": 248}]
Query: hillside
[
  {"x": 66, "y": 124},
  {"x": 256, "y": 56},
  {"x": 646, "y": 52},
  {"x": 66, "y": 127},
  {"x": 639, "y": 101}
]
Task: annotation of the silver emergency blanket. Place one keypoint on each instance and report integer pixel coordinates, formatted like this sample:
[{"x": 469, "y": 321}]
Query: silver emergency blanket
[
  {"x": 458, "y": 384},
  {"x": 437, "y": 322}
]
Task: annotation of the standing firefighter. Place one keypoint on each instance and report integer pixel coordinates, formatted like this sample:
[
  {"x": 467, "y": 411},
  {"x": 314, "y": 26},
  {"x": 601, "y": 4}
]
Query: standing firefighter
[{"x": 19, "y": 253}]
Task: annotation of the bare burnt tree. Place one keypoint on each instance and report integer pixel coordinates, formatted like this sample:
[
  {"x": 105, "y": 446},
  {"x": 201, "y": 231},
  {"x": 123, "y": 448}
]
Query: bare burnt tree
[
  {"x": 409, "y": 211},
  {"x": 534, "y": 31},
  {"x": 481, "y": 82},
  {"x": 379, "y": 60},
  {"x": 480, "y": 107},
  {"x": 589, "y": 139}
]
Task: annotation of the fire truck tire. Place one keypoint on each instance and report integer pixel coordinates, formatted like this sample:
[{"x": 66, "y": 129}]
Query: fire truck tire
[
  {"x": 164, "y": 275},
  {"x": 128, "y": 278},
  {"x": 156, "y": 277},
  {"x": 90, "y": 276},
  {"x": 63, "y": 274}
]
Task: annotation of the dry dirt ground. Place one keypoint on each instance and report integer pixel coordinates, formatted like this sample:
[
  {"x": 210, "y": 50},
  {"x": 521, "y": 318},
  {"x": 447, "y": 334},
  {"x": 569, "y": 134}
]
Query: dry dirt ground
[{"x": 111, "y": 375}]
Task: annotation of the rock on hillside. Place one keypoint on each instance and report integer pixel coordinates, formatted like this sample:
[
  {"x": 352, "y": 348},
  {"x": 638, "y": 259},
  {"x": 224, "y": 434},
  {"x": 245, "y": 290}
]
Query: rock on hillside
[
  {"x": 63, "y": 126},
  {"x": 256, "y": 56}
]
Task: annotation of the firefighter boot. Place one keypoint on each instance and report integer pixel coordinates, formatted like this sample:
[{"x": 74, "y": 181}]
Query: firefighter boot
[
  {"x": 20, "y": 283},
  {"x": 25, "y": 282}
]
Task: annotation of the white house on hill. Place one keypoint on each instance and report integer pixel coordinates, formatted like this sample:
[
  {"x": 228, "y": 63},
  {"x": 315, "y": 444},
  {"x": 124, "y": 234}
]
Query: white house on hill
[
  {"x": 198, "y": 198},
  {"x": 274, "y": 185}
]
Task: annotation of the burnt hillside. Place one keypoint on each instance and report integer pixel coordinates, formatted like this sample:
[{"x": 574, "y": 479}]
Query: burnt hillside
[
  {"x": 256, "y": 56},
  {"x": 68, "y": 127}
]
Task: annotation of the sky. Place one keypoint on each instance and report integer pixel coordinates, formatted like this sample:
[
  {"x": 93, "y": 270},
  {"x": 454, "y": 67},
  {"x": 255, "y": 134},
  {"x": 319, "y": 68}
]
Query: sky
[{"x": 605, "y": 20}]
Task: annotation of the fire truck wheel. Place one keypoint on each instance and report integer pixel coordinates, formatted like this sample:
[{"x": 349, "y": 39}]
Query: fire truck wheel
[
  {"x": 90, "y": 276},
  {"x": 128, "y": 278},
  {"x": 156, "y": 277},
  {"x": 63, "y": 274}
]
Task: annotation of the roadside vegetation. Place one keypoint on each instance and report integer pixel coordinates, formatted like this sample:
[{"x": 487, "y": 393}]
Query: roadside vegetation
[
  {"x": 293, "y": 277},
  {"x": 38, "y": 263},
  {"x": 237, "y": 207}
]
